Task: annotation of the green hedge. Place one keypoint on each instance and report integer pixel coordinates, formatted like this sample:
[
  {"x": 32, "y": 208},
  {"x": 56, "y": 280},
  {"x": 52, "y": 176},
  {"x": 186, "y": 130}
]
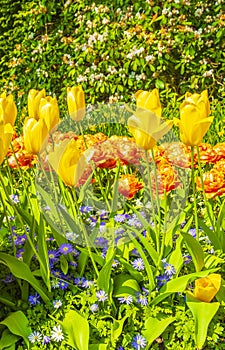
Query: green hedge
[{"x": 112, "y": 48}]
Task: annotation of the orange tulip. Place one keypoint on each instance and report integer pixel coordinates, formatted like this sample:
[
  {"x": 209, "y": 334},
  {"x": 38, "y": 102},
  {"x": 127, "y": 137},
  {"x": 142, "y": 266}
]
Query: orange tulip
[{"x": 207, "y": 287}]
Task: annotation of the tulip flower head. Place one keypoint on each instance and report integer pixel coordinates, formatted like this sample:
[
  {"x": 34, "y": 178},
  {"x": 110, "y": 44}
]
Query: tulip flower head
[
  {"x": 49, "y": 111},
  {"x": 207, "y": 287},
  {"x": 146, "y": 124},
  {"x": 8, "y": 110},
  {"x": 34, "y": 97},
  {"x": 76, "y": 102},
  {"x": 6, "y": 133},
  {"x": 35, "y": 135},
  {"x": 194, "y": 119},
  {"x": 68, "y": 162}
]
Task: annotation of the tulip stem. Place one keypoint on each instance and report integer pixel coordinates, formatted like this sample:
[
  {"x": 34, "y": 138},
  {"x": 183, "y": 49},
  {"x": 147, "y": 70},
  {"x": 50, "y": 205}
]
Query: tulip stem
[
  {"x": 194, "y": 191},
  {"x": 203, "y": 189},
  {"x": 152, "y": 200}
]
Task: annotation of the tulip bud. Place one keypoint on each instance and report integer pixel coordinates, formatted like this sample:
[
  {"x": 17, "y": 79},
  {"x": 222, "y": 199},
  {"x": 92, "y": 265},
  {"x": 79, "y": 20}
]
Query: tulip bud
[
  {"x": 194, "y": 118},
  {"x": 34, "y": 97},
  {"x": 35, "y": 135},
  {"x": 149, "y": 100},
  {"x": 207, "y": 287},
  {"x": 49, "y": 111},
  {"x": 76, "y": 102},
  {"x": 6, "y": 133},
  {"x": 8, "y": 110}
]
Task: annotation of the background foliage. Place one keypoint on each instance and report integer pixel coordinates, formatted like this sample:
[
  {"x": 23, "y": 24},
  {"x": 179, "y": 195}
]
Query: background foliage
[{"x": 112, "y": 48}]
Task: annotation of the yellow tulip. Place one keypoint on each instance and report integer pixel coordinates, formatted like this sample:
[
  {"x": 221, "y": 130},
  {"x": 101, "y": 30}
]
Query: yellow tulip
[
  {"x": 8, "y": 110},
  {"x": 194, "y": 119},
  {"x": 68, "y": 162},
  {"x": 76, "y": 102},
  {"x": 149, "y": 100},
  {"x": 207, "y": 287},
  {"x": 147, "y": 128},
  {"x": 6, "y": 133},
  {"x": 35, "y": 135},
  {"x": 49, "y": 111},
  {"x": 34, "y": 97}
]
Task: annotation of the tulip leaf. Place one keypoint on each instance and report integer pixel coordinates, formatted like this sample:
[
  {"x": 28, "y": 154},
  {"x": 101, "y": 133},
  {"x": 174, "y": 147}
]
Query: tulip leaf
[
  {"x": 97, "y": 347},
  {"x": 77, "y": 329},
  {"x": 195, "y": 250},
  {"x": 17, "y": 324},
  {"x": 103, "y": 280},
  {"x": 154, "y": 327},
  {"x": 178, "y": 285},
  {"x": 203, "y": 314},
  {"x": 8, "y": 340},
  {"x": 117, "y": 327},
  {"x": 21, "y": 270},
  {"x": 125, "y": 285}
]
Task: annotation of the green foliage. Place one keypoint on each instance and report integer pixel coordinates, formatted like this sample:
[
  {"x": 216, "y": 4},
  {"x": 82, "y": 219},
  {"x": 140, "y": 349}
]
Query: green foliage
[{"x": 112, "y": 49}]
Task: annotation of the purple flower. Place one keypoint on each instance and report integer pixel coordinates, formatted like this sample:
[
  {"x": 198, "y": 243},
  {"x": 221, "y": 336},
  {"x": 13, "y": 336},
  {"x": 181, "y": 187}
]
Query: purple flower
[
  {"x": 139, "y": 342},
  {"x": 120, "y": 348},
  {"x": 192, "y": 232},
  {"x": 162, "y": 279},
  {"x": 9, "y": 278},
  {"x": 85, "y": 209},
  {"x": 20, "y": 239},
  {"x": 126, "y": 300},
  {"x": 63, "y": 285},
  {"x": 142, "y": 299},
  {"x": 94, "y": 307},
  {"x": 87, "y": 284},
  {"x": 53, "y": 256},
  {"x": 138, "y": 264},
  {"x": 65, "y": 248},
  {"x": 34, "y": 299},
  {"x": 46, "y": 339},
  {"x": 187, "y": 259},
  {"x": 121, "y": 217},
  {"x": 169, "y": 269},
  {"x": 101, "y": 295},
  {"x": 14, "y": 198}
]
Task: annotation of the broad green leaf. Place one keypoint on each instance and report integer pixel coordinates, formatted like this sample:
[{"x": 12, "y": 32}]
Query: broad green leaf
[
  {"x": 154, "y": 327},
  {"x": 117, "y": 328},
  {"x": 98, "y": 347},
  {"x": 8, "y": 339},
  {"x": 43, "y": 253},
  {"x": 212, "y": 235},
  {"x": 77, "y": 329},
  {"x": 21, "y": 270},
  {"x": 220, "y": 295},
  {"x": 178, "y": 285},
  {"x": 195, "y": 250},
  {"x": 203, "y": 314},
  {"x": 176, "y": 258},
  {"x": 17, "y": 323},
  {"x": 125, "y": 285}
]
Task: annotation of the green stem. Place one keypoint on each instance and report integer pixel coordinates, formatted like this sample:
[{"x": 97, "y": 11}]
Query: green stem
[
  {"x": 203, "y": 189},
  {"x": 194, "y": 191}
]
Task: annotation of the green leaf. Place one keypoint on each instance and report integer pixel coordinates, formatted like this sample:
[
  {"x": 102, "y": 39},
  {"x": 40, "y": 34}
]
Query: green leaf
[
  {"x": 117, "y": 328},
  {"x": 77, "y": 329},
  {"x": 195, "y": 250},
  {"x": 125, "y": 285},
  {"x": 159, "y": 84},
  {"x": 97, "y": 347},
  {"x": 17, "y": 323},
  {"x": 203, "y": 314},
  {"x": 8, "y": 339},
  {"x": 103, "y": 281},
  {"x": 21, "y": 270},
  {"x": 154, "y": 327}
]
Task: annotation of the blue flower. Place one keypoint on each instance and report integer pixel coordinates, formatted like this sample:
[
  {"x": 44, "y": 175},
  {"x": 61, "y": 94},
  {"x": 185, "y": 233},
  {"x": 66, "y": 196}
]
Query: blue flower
[
  {"x": 63, "y": 285},
  {"x": 46, "y": 339},
  {"x": 142, "y": 299},
  {"x": 121, "y": 217},
  {"x": 94, "y": 307},
  {"x": 85, "y": 209},
  {"x": 192, "y": 232},
  {"x": 169, "y": 269},
  {"x": 162, "y": 279},
  {"x": 14, "y": 198},
  {"x": 65, "y": 248},
  {"x": 53, "y": 256},
  {"x": 138, "y": 264},
  {"x": 87, "y": 284},
  {"x": 20, "y": 239},
  {"x": 120, "y": 348},
  {"x": 139, "y": 342},
  {"x": 34, "y": 299},
  {"x": 101, "y": 295},
  {"x": 126, "y": 300},
  {"x": 187, "y": 259},
  {"x": 35, "y": 337}
]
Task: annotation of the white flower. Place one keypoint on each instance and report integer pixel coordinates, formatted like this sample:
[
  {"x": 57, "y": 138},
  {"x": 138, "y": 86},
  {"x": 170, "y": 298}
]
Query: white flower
[{"x": 57, "y": 334}]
